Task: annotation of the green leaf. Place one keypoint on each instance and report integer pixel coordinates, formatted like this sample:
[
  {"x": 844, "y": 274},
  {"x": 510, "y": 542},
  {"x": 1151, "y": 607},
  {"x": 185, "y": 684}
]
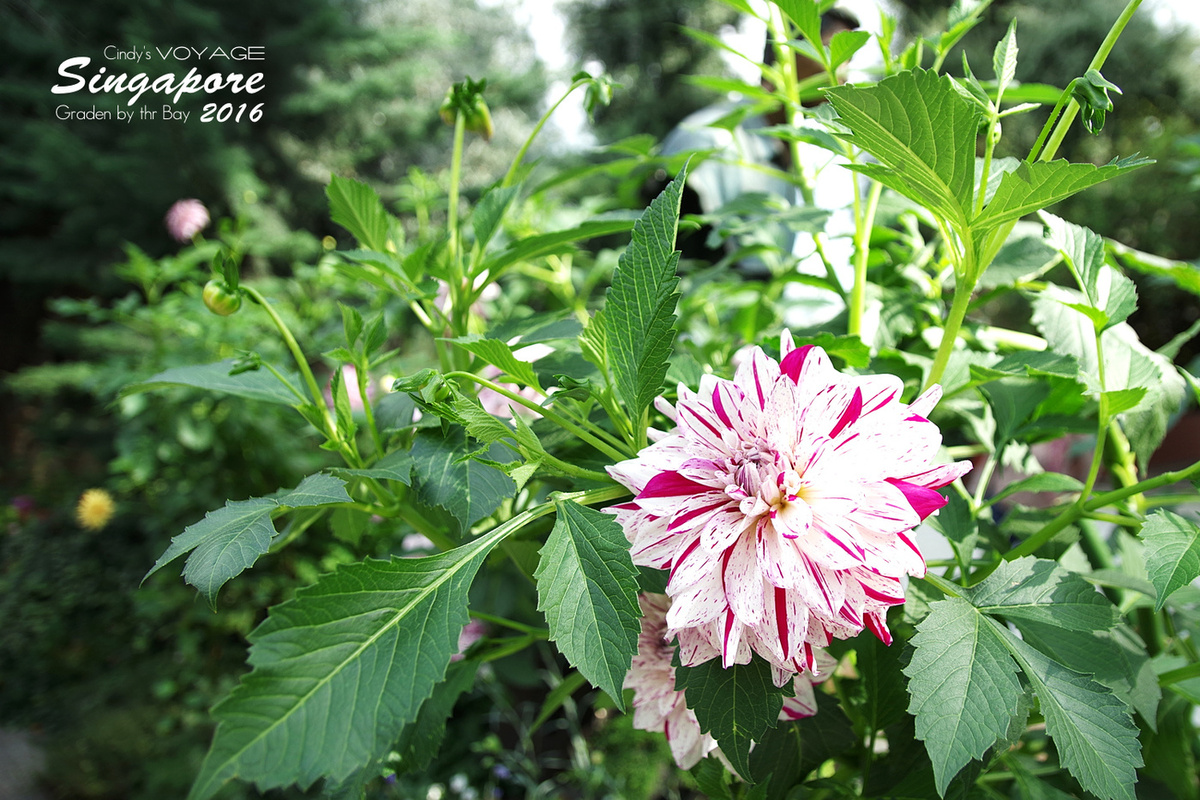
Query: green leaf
[
  {"x": 639, "y": 312},
  {"x": 357, "y": 208},
  {"x": 735, "y": 704},
  {"x": 1042, "y": 591},
  {"x": 395, "y": 466},
  {"x": 1172, "y": 553},
  {"x": 467, "y": 489},
  {"x": 1106, "y": 289},
  {"x": 826, "y": 734},
  {"x": 498, "y": 354},
  {"x": 885, "y": 695},
  {"x": 1122, "y": 400},
  {"x": 844, "y": 45},
  {"x": 1004, "y": 60},
  {"x": 587, "y": 587},
  {"x": 807, "y": 16},
  {"x": 963, "y": 684},
  {"x": 960, "y": 527},
  {"x": 489, "y": 211},
  {"x": 340, "y": 670},
  {"x": 229, "y": 540},
  {"x": 544, "y": 244},
  {"x": 1013, "y": 401},
  {"x": 1091, "y": 727},
  {"x": 254, "y": 385},
  {"x": 1042, "y": 482},
  {"x": 1032, "y": 187},
  {"x": 849, "y": 349},
  {"x": 923, "y": 133},
  {"x": 422, "y": 738}
]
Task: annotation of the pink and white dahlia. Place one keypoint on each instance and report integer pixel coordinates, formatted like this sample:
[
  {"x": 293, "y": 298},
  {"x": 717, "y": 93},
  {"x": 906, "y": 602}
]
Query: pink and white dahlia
[
  {"x": 657, "y": 706},
  {"x": 782, "y": 504}
]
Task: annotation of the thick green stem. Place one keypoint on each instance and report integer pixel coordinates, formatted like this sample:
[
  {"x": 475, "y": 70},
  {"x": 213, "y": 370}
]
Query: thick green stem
[
  {"x": 958, "y": 312},
  {"x": 1072, "y": 513}
]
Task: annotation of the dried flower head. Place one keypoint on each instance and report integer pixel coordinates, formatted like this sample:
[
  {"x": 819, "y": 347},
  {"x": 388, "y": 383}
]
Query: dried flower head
[
  {"x": 657, "y": 706},
  {"x": 95, "y": 509},
  {"x": 782, "y": 504},
  {"x": 185, "y": 219}
]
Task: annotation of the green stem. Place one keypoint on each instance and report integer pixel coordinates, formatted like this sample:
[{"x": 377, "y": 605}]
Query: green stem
[
  {"x": 1064, "y": 123},
  {"x": 1178, "y": 675},
  {"x": 985, "y": 478},
  {"x": 364, "y": 376},
  {"x": 452, "y": 208},
  {"x": 1074, "y": 512},
  {"x": 520, "y": 627},
  {"x": 511, "y": 175},
  {"x": 1160, "y": 500},
  {"x": 862, "y": 250},
  {"x": 958, "y": 311},
  {"x": 944, "y": 585}
]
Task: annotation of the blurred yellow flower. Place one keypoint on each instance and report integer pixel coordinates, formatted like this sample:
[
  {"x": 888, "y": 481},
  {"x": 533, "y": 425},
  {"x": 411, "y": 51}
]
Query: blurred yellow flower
[{"x": 95, "y": 509}]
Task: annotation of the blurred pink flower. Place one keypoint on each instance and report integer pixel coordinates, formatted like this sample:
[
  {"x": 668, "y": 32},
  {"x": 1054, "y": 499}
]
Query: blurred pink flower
[
  {"x": 350, "y": 380},
  {"x": 782, "y": 504},
  {"x": 471, "y": 633},
  {"x": 497, "y": 404},
  {"x": 657, "y": 706},
  {"x": 185, "y": 219}
]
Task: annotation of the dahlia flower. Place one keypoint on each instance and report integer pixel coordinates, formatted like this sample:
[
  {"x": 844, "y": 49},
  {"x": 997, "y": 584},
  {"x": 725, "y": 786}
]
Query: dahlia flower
[
  {"x": 94, "y": 509},
  {"x": 782, "y": 504},
  {"x": 657, "y": 706},
  {"x": 185, "y": 219}
]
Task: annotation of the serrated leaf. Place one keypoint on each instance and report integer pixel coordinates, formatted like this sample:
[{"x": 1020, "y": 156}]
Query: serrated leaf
[
  {"x": 229, "y": 540},
  {"x": 485, "y": 219},
  {"x": 923, "y": 133},
  {"x": 1106, "y": 289},
  {"x": 639, "y": 312},
  {"x": 807, "y": 16},
  {"x": 1122, "y": 400},
  {"x": 736, "y": 704},
  {"x": 1128, "y": 364},
  {"x": 340, "y": 670},
  {"x": 254, "y": 385},
  {"x": 467, "y": 489},
  {"x": 1032, "y": 187},
  {"x": 395, "y": 466},
  {"x": 1042, "y": 591},
  {"x": 422, "y": 738},
  {"x": 1004, "y": 60},
  {"x": 1092, "y": 728},
  {"x": 1172, "y": 553},
  {"x": 357, "y": 208},
  {"x": 587, "y": 587},
  {"x": 712, "y": 779},
  {"x": 883, "y": 685},
  {"x": 963, "y": 684},
  {"x": 498, "y": 354}
]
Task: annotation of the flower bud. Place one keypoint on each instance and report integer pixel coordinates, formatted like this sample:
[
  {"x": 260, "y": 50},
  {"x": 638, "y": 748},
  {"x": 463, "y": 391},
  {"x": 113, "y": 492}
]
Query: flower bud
[
  {"x": 221, "y": 299},
  {"x": 467, "y": 97}
]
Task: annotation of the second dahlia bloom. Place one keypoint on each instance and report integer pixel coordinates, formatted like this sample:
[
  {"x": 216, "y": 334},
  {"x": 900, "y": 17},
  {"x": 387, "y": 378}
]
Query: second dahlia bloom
[
  {"x": 781, "y": 504},
  {"x": 657, "y": 706}
]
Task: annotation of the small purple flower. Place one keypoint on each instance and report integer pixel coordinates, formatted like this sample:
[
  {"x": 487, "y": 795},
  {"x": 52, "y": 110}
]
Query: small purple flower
[
  {"x": 501, "y": 772},
  {"x": 185, "y": 219},
  {"x": 24, "y": 506}
]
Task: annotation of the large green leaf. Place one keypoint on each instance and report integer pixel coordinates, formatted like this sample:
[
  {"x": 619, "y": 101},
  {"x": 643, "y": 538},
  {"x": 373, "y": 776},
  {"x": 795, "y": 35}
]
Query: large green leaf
[
  {"x": 340, "y": 670},
  {"x": 445, "y": 476},
  {"x": 1091, "y": 727},
  {"x": 587, "y": 587},
  {"x": 639, "y": 312},
  {"x": 253, "y": 385},
  {"x": 1172, "y": 553},
  {"x": 923, "y": 133},
  {"x": 357, "y": 208},
  {"x": 735, "y": 704},
  {"x": 229, "y": 540},
  {"x": 1032, "y": 187},
  {"x": 963, "y": 684},
  {"x": 422, "y": 738},
  {"x": 965, "y": 693}
]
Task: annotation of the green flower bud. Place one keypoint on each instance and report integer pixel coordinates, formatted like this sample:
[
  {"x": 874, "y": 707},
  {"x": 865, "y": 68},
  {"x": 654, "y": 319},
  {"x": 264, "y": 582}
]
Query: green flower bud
[
  {"x": 220, "y": 299},
  {"x": 467, "y": 97}
]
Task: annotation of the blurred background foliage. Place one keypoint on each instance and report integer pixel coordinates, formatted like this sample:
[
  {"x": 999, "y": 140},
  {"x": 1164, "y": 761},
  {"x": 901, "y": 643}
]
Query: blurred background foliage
[{"x": 94, "y": 296}]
